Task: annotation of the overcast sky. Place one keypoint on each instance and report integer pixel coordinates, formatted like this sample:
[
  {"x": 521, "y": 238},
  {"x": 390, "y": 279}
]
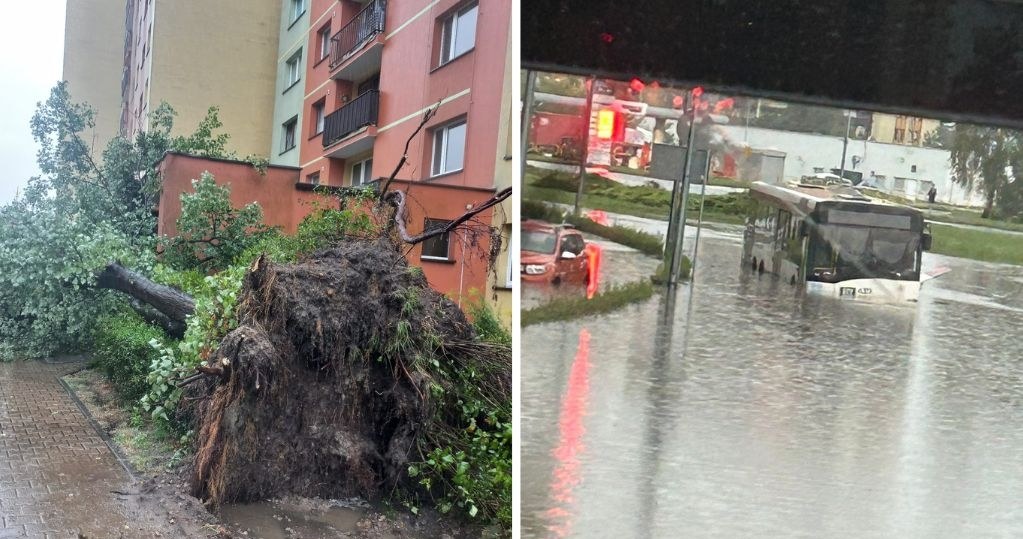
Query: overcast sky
[{"x": 31, "y": 60}]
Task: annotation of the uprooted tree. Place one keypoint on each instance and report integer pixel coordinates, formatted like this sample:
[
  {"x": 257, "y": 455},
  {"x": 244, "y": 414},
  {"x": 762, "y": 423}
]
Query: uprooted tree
[{"x": 331, "y": 369}]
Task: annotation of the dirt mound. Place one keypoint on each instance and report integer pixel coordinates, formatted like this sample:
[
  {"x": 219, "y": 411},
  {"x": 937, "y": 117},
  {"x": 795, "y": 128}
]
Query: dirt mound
[{"x": 329, "y": 384}]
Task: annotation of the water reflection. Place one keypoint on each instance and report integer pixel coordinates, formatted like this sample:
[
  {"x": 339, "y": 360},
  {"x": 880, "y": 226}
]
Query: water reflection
[{"x": 742, "y": 408}]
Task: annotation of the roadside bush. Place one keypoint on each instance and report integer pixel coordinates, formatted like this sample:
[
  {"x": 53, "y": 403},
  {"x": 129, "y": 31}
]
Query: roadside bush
[
  {"x": 122, "y": 352},
  {"x": 215, "y": 316},
  {"x": 488, "y": 326}
]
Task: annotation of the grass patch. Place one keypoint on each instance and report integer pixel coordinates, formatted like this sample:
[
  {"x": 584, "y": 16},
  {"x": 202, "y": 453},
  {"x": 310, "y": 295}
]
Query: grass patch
[
  {"x": 149, "y": 448},
  {"x": 642, "y": 201},
  {"x": 988, "y": 246},
  {"x": 606, "y": 301}
]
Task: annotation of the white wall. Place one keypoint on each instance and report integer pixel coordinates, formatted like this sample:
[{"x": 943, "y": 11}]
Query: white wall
[{"x": 805, "y": 151}]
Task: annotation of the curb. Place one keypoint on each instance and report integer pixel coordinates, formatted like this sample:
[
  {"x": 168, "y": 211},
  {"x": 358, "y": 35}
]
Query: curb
[{"x": 122, "y": 459}]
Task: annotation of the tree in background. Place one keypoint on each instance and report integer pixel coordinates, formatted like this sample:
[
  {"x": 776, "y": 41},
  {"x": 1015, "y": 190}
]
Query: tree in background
[{"x": 982, "y": 158}]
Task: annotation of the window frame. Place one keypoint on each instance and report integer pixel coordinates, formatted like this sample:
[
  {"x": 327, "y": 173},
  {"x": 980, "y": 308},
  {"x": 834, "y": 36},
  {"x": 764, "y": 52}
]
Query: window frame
[
  {"x": 447, "y": 241},
  {"x": 449, "y": 34},
  {"x": 365, "y": 177},
  {"x": 293, "y": 64},
  {"x": 324, "y": 39},
  {"x": 442, "y": 131},
  {"x": 291, "y": 123},
  {"x": 319, "y": 117},
  {"x": 294, "y": 14}
]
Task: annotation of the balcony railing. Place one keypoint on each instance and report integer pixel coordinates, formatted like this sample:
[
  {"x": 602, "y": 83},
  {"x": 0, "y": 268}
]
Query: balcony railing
[
  {"x": 366, "y": 24},
  {"x": 360, "y": 112}
]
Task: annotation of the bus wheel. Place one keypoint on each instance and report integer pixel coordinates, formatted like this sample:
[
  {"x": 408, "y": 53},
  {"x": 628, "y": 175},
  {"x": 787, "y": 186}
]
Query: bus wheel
[
  {"x": 761, "y": 267},
  {"x": 754, "y": 263},
  {"x": 556, "y": 281}
]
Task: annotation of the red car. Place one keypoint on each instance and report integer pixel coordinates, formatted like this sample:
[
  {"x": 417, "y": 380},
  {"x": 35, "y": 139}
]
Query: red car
[{"x": 553, "y": 254}]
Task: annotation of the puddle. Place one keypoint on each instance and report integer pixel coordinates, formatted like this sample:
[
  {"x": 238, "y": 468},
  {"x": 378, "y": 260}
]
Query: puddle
[{"x": 292, "y": 520}]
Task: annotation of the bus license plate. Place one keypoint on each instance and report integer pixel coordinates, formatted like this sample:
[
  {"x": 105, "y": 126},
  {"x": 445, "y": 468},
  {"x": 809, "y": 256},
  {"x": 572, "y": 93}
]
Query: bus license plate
[{"x": 847, "y": 291}]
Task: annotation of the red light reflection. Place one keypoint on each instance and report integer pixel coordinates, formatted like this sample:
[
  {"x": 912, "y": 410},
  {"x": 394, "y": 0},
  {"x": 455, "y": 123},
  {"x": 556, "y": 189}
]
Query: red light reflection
[{"x": 570, "y": 444}]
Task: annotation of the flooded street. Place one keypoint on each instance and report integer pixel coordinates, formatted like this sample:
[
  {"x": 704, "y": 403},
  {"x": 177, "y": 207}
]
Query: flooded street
[{"x": 746, "y": 409}]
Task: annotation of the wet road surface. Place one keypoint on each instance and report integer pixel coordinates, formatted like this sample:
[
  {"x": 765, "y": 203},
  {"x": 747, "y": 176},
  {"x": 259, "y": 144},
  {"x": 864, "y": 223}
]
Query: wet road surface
[{"x": 747, "y": 409}]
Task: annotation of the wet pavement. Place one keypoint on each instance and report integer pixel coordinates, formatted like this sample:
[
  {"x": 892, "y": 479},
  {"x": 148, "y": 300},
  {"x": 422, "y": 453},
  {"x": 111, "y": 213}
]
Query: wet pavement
[
  {"x": 744, "y": 408},
  {"x": 56, "y": 473}
]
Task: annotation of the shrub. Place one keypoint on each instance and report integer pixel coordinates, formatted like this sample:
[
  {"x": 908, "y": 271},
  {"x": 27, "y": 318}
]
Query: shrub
[
  {"x": 122, "y": 352},
  {"x": 488, "y": 326}
]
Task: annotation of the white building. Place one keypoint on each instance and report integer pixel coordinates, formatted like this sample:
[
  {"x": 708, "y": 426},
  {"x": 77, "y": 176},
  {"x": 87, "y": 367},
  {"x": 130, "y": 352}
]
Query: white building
[{"x": 901, "y": 170}]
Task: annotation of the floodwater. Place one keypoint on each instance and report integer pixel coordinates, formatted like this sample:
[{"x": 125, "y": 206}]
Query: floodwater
[
  {"x": 287, "y": 520},
  {"x": 743, "y": 408}
]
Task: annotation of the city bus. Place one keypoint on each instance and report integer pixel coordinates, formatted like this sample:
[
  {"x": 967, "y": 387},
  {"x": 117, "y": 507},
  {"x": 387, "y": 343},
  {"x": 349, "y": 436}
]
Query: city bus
[{"x": 835, "y": 241}]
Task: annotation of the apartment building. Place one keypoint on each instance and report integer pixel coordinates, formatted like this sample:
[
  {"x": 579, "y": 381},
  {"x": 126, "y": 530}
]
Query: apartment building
[
  {"x": 372, "y": 69},
  {"x": 93, "y": 63},
  {"x": 294, "y": 29},
  {"x": 194, "y": 55},
  {"x": 901, "y": 129},
  {"x": 331, "y": 91}
]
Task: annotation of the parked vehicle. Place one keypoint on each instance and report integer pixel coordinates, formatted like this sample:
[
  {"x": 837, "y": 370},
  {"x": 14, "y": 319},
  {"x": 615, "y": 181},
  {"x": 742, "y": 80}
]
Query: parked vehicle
[{"x": 553, "y": 254}]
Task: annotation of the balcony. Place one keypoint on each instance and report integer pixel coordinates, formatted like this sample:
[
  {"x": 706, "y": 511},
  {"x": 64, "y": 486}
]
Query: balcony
[
  {"x": 352, "y": 128},
  {"x": 356, "y": 49}
]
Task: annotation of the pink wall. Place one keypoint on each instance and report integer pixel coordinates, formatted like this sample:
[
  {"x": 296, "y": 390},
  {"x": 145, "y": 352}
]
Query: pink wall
[{"x": 282, "y": 204}]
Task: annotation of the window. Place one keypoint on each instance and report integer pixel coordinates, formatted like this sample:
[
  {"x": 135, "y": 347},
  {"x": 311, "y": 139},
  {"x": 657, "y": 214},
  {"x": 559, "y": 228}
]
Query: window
[
  {"x": 436, "y": 248},
  {"x": 372, "y": 83},
  {"x": 458, "y": 34},
  {"x": 572, "y": 243},
  {"x": 448, "y": 148},
  {"x": 362, "y": 172},
  {"x": 313, "y": 178},
  {"x": 912, "y": 168},
  {"x": 319, "y": 116},
  {"x": 292, "y": 70},
  {"x": 324, "y": 38},
  {"x": 289, "y": 134},
  {"x": 297, "y": 9}
]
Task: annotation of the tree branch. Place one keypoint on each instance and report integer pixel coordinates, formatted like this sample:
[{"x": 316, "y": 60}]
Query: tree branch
[
  {"x": 427, "y": 116},
  {"x": 398, "y": 199}
]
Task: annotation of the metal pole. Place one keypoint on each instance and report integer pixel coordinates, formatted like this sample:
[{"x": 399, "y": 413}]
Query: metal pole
[
  {"x": 845, "y": 141},
  {"x": 586, "y": 145},
  {"x": 679, "y": 199},
  {"x": 527, "y": 119}
]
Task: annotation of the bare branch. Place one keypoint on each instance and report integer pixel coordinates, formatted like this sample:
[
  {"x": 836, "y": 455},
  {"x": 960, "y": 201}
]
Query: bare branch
[
  {"x": 427, "y": 116},
  {"x": 398, "y": 199}
]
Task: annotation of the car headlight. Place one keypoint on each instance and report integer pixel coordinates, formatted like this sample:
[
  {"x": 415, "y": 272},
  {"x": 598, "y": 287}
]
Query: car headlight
[{"x": 534, "y": 269}]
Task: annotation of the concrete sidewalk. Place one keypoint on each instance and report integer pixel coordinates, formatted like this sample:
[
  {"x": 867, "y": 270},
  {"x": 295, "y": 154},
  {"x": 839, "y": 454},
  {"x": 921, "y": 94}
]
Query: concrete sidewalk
[{"x": 57, "y": 476}]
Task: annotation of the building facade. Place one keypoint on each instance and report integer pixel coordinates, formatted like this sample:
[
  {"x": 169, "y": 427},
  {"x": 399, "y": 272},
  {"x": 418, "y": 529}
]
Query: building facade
[
  {"x": 332, "y": 91},
  {"x": 901, "y": 129},
  {"x": 372, "y": 71},
  {"x": 93, "y": 64},
  {"x": 290, "y": 74},
  {"x": 194, "y": 55}
]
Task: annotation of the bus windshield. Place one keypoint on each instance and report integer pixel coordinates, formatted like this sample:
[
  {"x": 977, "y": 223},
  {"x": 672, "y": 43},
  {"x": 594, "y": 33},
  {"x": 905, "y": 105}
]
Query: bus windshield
[{"x": 839, "y": 253}]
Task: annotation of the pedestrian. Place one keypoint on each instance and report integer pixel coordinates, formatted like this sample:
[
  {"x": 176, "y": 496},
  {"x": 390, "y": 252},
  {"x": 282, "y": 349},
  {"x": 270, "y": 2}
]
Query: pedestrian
[{"x": 931, "y": 194}]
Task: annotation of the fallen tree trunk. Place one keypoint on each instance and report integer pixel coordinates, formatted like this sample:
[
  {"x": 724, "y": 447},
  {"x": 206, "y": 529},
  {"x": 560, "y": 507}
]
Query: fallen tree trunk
[{"x": 171, "y": 304}]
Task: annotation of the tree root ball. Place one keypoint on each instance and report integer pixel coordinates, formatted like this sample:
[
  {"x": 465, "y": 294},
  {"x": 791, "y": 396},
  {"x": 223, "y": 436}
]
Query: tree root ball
[{"x": 326, "y": 388}]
